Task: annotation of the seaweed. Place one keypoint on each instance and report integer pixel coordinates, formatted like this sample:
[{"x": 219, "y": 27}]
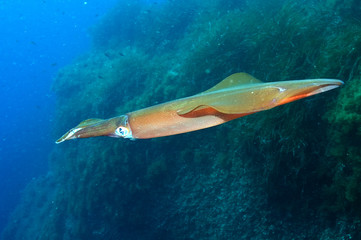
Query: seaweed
[
  {"x": 297, "y": 164},
  {"x": 344, "y": 149}
]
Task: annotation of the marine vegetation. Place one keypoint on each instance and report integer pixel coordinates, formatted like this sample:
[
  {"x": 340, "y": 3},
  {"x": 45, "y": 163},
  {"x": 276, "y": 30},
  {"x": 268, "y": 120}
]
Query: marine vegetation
[
  {"x": 343, "y": 191},
  {"x": 291, "y": 172}
]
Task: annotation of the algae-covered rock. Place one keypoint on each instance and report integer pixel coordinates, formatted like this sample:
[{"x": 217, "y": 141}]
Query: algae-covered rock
[
  {"x": 345, "y": 133},
  {"x": 278, "y": 174}
]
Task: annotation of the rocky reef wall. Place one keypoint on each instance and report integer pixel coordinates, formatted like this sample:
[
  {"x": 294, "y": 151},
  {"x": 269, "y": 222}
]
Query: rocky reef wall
[{"x": 288, "y": 173}]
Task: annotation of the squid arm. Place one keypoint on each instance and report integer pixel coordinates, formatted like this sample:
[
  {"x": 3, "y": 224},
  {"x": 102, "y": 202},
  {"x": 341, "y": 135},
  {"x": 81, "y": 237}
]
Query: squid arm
[{"x": 236, "y": 96}]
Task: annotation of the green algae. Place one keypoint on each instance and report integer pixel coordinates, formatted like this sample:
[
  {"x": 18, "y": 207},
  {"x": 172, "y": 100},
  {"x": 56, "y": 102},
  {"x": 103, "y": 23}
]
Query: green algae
[
  {"x": 300, "y": 161},
  {"x": 345, "y": 132}
]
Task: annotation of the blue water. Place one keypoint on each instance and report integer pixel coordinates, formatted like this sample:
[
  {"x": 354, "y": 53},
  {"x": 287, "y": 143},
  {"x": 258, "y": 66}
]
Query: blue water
[{"x": 37, "y": 38}]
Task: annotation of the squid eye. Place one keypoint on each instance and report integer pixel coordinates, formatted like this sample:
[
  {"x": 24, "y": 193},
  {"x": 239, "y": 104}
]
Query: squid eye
[{"x": 122, "y": 131}]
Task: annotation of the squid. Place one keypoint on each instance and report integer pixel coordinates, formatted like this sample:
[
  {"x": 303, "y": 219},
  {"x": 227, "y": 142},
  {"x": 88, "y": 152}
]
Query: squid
[{"x": 236, "y": 96}]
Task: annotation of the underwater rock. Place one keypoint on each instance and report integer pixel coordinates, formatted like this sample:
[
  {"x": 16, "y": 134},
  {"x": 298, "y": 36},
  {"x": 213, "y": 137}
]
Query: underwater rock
[
  {"x": 266, "y": 176},
  {"x": 345, "y": 132}
]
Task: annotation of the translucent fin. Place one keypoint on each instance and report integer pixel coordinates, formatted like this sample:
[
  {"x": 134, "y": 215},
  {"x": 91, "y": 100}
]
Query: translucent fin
[
  {"x": 198, "y": 111},
  {"x": 220, "y": 105},
  {"x": 235, "y": 79},
  {"x": 207, "y": 109},
  {"x": 241, "y": 93}
]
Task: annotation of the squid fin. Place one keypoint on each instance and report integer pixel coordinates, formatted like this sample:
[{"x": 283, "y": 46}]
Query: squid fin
[
  {"x": 198, "y": 111},
  {"x": 209, "y": 106},
  {"x": 235, "y": 79}
]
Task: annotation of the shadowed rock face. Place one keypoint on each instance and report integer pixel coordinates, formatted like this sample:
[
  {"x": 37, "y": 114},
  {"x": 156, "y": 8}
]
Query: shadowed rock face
[{"x": 266, "y": 176}]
